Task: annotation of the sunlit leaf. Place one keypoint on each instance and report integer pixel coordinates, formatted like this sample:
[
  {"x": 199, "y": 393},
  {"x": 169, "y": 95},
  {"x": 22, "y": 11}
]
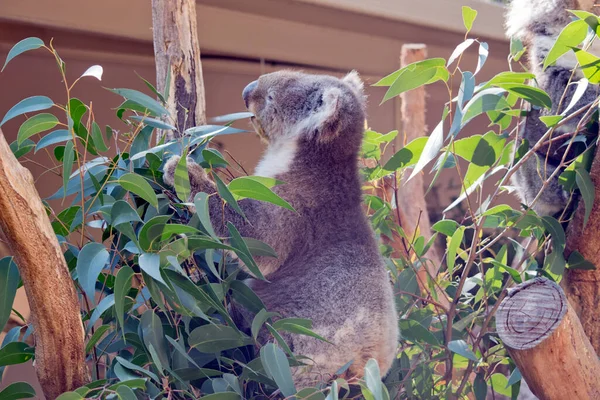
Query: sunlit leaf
[{"x": 469, "y": 16}]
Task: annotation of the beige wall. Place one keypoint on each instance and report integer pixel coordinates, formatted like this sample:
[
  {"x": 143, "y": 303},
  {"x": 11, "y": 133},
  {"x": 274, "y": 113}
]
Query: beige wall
[{"x": 239, "y": 42}]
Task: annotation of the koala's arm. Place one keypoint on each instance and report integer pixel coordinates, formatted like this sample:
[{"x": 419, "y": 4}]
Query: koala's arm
[{"x": 220, "y": 213}]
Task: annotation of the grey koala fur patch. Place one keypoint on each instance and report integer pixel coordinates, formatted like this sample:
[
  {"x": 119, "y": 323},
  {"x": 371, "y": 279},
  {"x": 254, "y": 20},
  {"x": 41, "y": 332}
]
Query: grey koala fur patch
[
  {"x": 329, "y": 267},
  {"x": 538, "y": 23}
]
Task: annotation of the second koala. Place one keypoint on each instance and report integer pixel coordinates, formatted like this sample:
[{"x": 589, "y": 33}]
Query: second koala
[
  {"x": 538, "y": 23},
  {"x": 328, "y": 268}
]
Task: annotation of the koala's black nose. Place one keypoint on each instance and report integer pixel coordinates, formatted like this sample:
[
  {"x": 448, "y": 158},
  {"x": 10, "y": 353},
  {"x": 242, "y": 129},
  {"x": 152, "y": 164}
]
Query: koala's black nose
[{"x": 248, "y": 90}]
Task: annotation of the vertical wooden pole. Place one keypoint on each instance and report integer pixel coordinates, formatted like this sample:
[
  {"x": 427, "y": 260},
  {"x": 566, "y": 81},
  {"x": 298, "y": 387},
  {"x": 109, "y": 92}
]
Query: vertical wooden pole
[
  {"x": 58, "y": 329},
  {"x": 178, "y": 64},
  {"x": 411, "y": 212}
]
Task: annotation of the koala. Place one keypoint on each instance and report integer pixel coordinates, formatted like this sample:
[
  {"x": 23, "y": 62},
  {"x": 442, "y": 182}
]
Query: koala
[
  {"x": 537, "y": 23},
  {"x": 328, "y": 268}
]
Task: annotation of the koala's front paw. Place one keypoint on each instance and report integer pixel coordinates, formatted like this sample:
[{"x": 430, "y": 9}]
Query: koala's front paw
[
  {"x": 195, "y": 172},
  {"x": 169, "y": 170}
]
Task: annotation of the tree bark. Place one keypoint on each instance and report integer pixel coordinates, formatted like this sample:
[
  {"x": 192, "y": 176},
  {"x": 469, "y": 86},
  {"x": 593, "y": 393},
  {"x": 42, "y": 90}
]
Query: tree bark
[
  {"x": 545, "y": 339},
  {"x": 583, "y": 286},
  {"x": 178, "y": 65},
  {"x": 58, "y": 329}
]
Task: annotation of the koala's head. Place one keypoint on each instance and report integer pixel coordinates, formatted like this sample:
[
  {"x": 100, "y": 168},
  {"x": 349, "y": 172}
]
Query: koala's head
[{"x": 321, "y": 109}]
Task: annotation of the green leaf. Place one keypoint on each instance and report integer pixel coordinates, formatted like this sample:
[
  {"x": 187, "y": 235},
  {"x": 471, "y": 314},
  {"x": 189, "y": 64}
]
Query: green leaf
[
  {"x": 17, "y": 390},
  {"x": 132, "y": 383},
  {"x": 154, "y": 338},
  {"x": 92, "y": 259},
  {"x": 415, "y": 332},
  {"x": 462, "y": 348},
  {"x": 30, "y": 43},
  {"x": 222, "y": 396},
  {"x": 182, "y": 179},
  {"x": 484, "y": 101},
  {"x": 231, "y": 117},
  {"x": 407, "y": 156},
  {"x": 373, "y": 379},
  {"x": 153, "y": 122},
  {"x": 577, "y": 261},
  {"x": 413, "y": 78},
  {"x": 590, "y": 65},
  {"x": 242, "y": 251},
  {"x": 551, "y": 120},
  {"x": 499, "y": 382},
  {"x": 244, "y": 187},
  {"x": 419, "y": 65},
  {"x": 446, "y": 227},
  {"x": 531, "y": 94},
  {"x": 468, "y": 15},
  {"x": 246, "y": 296},
  {"x": 28, "y": 105},
  {"x": 151, "y": 232},
  {"x": 276, "y": 365},
  {"x": 570, "y": 37},
  {"x": 216, "y": 338},
  {"x": 214, "y": 158},
  {"x": 292, "y": 325},
  {"x": 480, "y": 387},
  {"x": 58, "y": 136},
  {"x": 258, "y": 248},
  {"x": 20, "y": 150},
  {"x": 259, "y": 320},
  {"x": 9, "y": 282},
  {"x": 454, "y": 245},
  {"x": 70, "y": 396},
  {"x": 139, "y": 186},
  {"x": 98, "y": 333},
  {"x": 556, "y": 231},
  {"x": 150, "y": 264},
  {"x": 15, "y": 353},
  {"x": 122, "y": 212},
  {"x": 586, "y": 187},
  {"x": 68, "y": 160},
  {"x": 122, "y": 286},
  {"x": 226, "y": 195},
  {"x": 97, "y": 137},
  {"x": 143, "y": 100},
  {"x": 36, "y": 124},
  {"x": 203, "y": 213},
  {"x": 126, "y": 393}
]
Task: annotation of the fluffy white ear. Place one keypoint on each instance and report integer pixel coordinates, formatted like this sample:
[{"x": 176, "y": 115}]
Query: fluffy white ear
[
  {"x": 355, "y": 83},
  {"x": 326, "y": 123}
]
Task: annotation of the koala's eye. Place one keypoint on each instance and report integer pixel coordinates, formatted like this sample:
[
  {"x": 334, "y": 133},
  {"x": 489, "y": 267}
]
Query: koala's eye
[
  {"x": 270, "y": 97},
  {"x": 320, "y": 102}
]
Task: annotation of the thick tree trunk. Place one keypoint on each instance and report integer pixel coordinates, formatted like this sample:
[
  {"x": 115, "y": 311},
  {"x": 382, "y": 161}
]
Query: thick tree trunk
[
  {"x": 583, "y": 286},
  {"x": 58, "y": 329},
  {"x": 178, "y": 64},
  {"x": 547, "y": 342}
]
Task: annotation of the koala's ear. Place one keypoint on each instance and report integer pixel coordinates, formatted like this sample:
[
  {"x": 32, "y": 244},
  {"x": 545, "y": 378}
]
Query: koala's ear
[
  {"x": 355, "y": 83},
  {"x": 328, "y": 119}
]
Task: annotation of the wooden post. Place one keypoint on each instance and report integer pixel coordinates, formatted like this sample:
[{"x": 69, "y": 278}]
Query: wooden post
[
  {"x": 177, "y": 54},
  {"x": 583, "y": 286},
  {"x": 545, "y": 339},
  {"x": 413, "y": 209},
  {"x": 411, "y": 213},
  {"x": 58, "y": 329}
]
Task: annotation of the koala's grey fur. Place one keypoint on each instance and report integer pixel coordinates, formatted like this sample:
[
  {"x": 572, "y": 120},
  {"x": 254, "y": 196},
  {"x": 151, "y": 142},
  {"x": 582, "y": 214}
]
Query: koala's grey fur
[
  {"x": 329, "y": 268},
  {"x": 538, "y": 23}
]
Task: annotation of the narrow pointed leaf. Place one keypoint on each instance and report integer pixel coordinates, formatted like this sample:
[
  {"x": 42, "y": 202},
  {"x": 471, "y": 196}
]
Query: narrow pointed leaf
[
  {"x": 36, "y": 124},
  {"x": 30, "y": 43},
  {"x": 139, "y": 186},
  {"x": 9, "y": 282},
  {"x": 28, "y": 105}
]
